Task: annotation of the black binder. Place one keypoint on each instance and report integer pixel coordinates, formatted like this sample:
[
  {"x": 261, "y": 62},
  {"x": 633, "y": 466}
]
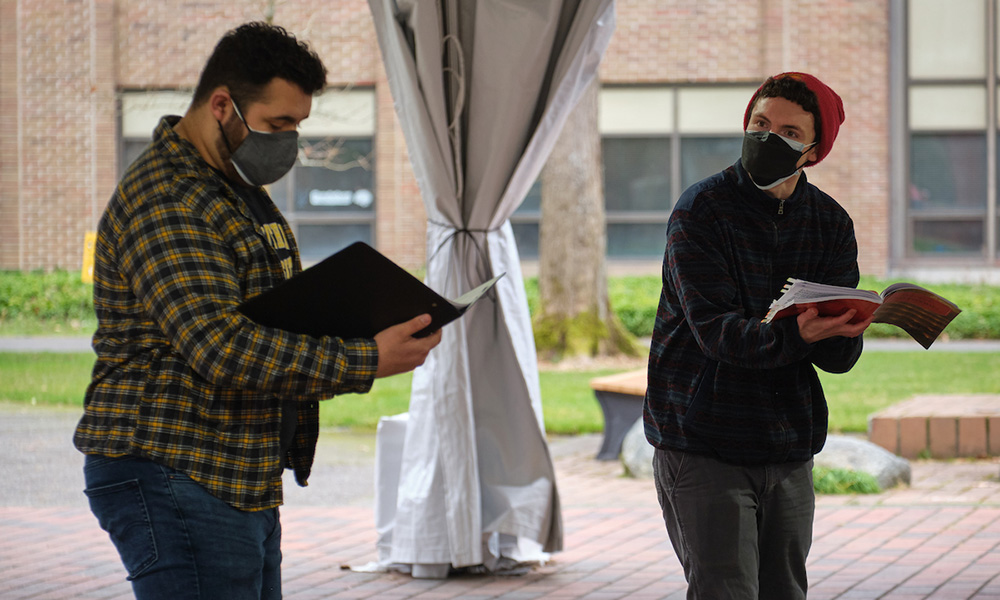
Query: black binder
[{"x": 356, "y": 292}]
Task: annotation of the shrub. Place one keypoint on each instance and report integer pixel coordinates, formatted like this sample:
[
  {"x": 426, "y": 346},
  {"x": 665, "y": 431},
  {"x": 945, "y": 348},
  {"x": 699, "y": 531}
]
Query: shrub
[
  {"x": 58, "y": 300},
  {"x": 841, "y": 481},
  {"x": 54, "y": 295},
  {"x": 40, "y": 302},
  {"x": 635, "y": 298},
  {"x": 979, "y": 319}
]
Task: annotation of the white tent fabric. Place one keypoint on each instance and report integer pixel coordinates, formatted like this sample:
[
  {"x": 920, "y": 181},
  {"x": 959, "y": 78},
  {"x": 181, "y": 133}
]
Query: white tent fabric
[{"x": 482, "y": 89}]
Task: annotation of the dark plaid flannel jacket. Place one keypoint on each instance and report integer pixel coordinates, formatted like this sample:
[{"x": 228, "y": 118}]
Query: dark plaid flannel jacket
[
  {"x": 721, "y": 382},
  {"x": 182, "y": 377}
]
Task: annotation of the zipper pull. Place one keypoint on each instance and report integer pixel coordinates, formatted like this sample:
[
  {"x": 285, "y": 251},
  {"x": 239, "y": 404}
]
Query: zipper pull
[{"x": 781, "y": 206}]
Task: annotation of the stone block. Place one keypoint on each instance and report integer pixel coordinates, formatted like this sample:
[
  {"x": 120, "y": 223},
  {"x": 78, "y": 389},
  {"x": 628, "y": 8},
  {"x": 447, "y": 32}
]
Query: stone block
[
  {"x": 972, "y": 437},
  {"x": 943, "y": 437},
  {"x": 637, "y": 454},
  {"x": 912, "y": 436},
  {"x": 945, "y": 426},
  {"x": 884, "y": 432},
  {"x": 852, "y": 454}
]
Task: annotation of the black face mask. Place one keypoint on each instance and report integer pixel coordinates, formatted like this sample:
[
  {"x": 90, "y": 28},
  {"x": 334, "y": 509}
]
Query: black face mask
[{"x": 771, "y": 159}]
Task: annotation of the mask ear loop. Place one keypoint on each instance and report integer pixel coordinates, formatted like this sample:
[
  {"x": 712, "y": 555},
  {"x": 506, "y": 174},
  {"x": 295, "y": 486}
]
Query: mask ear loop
[
  {"x": 239, "y": 113},
  {"x": 807, "y": 148},
  {"x": 225, "y": 138},
  {"x": 222, "y": 130}
]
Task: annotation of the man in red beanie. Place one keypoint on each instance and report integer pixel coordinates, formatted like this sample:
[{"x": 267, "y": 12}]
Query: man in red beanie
[{"x": 734, "y": 407}]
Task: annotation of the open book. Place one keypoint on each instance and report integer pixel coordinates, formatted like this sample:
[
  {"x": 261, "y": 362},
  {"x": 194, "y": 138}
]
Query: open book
[
  {"x": 356, "y": 292},
  {"x": 916, "y": 310}
]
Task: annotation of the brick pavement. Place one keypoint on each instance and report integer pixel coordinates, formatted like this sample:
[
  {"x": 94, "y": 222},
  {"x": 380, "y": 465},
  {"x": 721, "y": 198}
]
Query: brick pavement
[{"x": 938, "y": 539}]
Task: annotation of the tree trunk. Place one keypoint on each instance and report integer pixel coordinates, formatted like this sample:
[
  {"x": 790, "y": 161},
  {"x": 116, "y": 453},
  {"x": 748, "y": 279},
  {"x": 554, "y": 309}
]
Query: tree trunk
[{"x": 574, "y": 316}]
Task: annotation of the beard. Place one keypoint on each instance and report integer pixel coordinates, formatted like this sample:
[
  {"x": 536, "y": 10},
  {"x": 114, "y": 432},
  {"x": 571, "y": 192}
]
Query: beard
[{"x": 228, "y": 140}]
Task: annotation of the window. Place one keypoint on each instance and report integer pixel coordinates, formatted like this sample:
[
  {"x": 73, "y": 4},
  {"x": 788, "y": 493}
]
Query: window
[
  {"x": 637, "y": 194},
  {"x": 655, "y": 142},
  {"x": 140, "y": 114},
  {"x": 525, "y": 220},
  {"x": 329, "y": 195},
  {"x": 949, "y": 206}
]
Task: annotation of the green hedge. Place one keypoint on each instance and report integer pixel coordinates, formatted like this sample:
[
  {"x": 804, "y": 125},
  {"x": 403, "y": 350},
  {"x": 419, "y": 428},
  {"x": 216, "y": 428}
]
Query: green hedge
[
  {"x": 58, "y": 302},
  {"x": 56, "y": 295},
  {"x": 634, "y": 300},
  {"x": 35, "y": 302}
]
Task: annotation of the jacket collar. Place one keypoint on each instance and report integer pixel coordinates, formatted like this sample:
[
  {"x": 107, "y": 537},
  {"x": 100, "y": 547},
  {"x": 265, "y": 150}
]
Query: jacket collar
[{"x": 759, "y": 199}]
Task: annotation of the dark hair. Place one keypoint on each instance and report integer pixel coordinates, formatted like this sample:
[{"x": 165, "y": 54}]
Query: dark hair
[
  {"x": 790, "y": 88},
  {"x": 247, "y": 58}
]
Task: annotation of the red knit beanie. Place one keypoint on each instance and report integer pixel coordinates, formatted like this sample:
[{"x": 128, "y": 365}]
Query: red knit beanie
[{"x": 831, "y": 111}]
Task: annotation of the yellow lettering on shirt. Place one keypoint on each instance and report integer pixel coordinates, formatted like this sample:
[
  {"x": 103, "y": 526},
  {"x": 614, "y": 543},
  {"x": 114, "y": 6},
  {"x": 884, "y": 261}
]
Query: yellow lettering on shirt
[{"x": 276, "y": 236}]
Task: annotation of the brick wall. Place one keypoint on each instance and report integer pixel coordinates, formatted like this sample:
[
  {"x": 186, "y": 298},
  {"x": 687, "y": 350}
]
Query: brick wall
[
  {"x": 853, "y": 58},
  {"x": 684, "y": 41},
  {"x": 105, "y": 127},
  {"x": 159, "y": 51},
  {"x": 401, "y": 227},
  {"x": 10, "y": 231},
  {"x": 845, "y": 43},
  {"x": 59, "y": 77},
  {"x": 58, "y": 121}
]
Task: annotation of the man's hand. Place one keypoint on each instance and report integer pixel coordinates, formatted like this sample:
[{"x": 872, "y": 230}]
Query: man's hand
[
  {"x": 814, "y": 328},
  {"x": 399, "y": 351}
]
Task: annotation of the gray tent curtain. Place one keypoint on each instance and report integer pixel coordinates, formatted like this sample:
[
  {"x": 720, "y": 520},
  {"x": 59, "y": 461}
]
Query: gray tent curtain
[{"x": 482, "y": 89}]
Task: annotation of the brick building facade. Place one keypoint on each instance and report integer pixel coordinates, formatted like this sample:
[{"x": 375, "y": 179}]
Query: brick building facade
[{"x": 65, "y": 64}]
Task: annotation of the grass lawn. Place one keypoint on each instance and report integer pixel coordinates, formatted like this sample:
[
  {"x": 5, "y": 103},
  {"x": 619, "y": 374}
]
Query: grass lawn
[
  {"x": 568, "y": 404},
  {"x": 884, "y": 378},
  {"x": 878, "y": 380},
  {"x": 18, "y": 326},
  {"x": 46, "y": 378}
]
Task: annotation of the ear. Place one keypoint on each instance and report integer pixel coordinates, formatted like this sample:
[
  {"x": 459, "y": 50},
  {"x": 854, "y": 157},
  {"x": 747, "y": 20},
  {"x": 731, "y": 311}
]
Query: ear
[
  {"x": 813, "y": 155},
  {"x": 220, "y": 103}
]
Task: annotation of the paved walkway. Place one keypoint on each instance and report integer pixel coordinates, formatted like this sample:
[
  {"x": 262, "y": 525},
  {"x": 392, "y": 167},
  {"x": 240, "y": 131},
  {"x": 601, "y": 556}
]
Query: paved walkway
[{"x": 938, "y": 539}]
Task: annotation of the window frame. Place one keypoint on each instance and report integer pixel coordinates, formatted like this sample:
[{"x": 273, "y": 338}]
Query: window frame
[
  {"x": 297, "y": 218},
  {"x": 673, "y": 128},
  {"x": 904, "y": 219}
]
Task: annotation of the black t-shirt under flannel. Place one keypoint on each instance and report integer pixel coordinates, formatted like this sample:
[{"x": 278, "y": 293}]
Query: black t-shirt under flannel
[{"x": 258, "y": 203}]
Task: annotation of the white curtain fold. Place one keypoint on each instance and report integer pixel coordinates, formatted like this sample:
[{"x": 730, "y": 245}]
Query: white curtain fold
[{"x": 482, "y": 89}]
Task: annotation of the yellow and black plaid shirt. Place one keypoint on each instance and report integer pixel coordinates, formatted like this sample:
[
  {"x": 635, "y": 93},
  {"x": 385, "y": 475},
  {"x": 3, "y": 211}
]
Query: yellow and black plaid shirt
[{"x": 182, "y": 377}]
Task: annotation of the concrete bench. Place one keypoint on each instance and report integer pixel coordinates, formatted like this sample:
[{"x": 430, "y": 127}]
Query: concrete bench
[
  {"x": 945, "y": 426},
  {"x": 620, "y": 396}
]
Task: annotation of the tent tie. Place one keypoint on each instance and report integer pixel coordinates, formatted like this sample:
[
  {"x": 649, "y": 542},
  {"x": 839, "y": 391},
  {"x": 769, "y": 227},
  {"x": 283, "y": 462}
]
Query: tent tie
[{"x": 459, "y": 231}]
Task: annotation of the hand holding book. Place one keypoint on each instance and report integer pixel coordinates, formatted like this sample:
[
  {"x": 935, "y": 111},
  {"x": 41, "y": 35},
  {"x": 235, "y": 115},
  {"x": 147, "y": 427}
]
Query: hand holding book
[
  {"x": 356, "y": 293},
  {"x": 916, "y": 310},
  {"x": 400, "y": 351}
]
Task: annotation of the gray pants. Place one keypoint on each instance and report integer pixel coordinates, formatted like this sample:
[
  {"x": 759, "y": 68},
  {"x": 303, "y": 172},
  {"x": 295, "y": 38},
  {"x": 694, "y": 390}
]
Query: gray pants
[{"x": 739, "y": 532}]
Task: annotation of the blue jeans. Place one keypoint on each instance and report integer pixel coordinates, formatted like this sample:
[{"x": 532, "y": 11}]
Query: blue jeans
[
  {"x": 176, "y": 540},
  {"x": 740, "y": 532}
]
